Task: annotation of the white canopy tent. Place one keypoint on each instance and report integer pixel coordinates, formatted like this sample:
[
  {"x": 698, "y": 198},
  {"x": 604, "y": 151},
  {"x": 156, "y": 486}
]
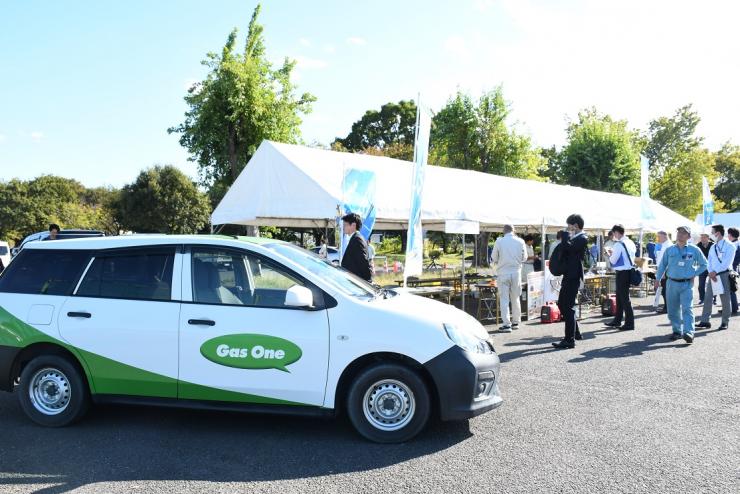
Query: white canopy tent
[
  {"x": 301, "y": 187},
  {"x": 726, "y": 219}
]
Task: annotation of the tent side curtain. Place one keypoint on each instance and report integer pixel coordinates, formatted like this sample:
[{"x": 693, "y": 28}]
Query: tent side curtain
[{"x": 301, "y": 187}]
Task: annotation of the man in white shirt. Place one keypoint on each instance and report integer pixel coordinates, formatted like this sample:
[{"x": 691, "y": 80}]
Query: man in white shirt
[
  {"x": 621, "y": 257},
  {"x": 509, "y": 252},
  {"x": 663, "y": 243},
  {"x": 720, "y": 260}
]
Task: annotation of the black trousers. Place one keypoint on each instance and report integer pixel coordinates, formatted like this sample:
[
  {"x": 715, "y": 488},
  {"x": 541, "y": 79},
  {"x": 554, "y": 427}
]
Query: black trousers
[
  {"x": 567, "y": 306},
  {"x": 624, "y": 305}
]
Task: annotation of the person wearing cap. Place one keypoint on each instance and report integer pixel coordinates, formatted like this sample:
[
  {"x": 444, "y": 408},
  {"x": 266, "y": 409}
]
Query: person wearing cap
[
  {"x": 720, "y": 260},
  {"x": 680, "y": 264},
  {"x": 663, "y": 243},
  {"x": 621, "y": 257}
]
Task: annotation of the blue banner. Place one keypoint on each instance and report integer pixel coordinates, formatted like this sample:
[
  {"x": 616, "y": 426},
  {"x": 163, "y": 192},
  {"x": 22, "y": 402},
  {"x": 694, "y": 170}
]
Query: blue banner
[
  {"x": 415, "y": 245},
  {"x": 708, "y": 202},
  {"x": 358, "y": 193}
]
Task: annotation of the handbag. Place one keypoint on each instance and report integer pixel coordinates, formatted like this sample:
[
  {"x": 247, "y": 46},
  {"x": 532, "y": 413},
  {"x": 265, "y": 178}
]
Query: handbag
[{"x": 635, "y": 274}]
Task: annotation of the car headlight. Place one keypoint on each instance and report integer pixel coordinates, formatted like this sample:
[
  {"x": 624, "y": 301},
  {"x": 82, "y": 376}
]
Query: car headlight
[{"x": 466, "y": 340}]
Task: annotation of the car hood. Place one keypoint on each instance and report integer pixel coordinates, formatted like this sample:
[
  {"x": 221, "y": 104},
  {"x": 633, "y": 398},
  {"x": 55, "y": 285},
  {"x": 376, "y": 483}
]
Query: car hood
[{"x": 434, "y": 312}]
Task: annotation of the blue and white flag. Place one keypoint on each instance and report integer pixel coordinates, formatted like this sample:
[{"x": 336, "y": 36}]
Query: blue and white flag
[
  {"x": 707, "y": 201},
  {"x": 358, "y": 196},
  {"x": 415, "y": 243},
  {"x": 647, "y": 210}
]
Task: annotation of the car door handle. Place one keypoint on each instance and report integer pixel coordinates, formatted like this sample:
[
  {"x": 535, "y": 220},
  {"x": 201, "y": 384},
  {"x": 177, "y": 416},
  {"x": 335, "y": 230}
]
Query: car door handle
[
  {"x": 201, "y": 322},
  {"x": 86, "y": 315}
]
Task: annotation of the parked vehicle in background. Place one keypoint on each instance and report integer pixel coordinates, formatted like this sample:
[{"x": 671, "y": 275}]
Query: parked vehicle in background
[
  {"x": 62, "y": 235},
  {"x": 4, "y": 253},
  {"x": 332, "y": 254}
]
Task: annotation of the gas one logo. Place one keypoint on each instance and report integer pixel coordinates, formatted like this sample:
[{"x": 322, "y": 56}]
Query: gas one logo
[{"x": 251, "y": 351}]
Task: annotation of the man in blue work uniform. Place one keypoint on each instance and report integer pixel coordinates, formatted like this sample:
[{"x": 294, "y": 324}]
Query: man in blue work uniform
[{"x": 681, "y": 263}]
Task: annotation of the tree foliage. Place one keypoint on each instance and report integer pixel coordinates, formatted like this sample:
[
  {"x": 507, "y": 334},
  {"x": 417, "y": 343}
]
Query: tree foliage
[
  {"x": 241, "y": 102},
  {"x": 387, "y": 132},
  {"x": 669, "y": 138},
  {"x": 600, "y": 154},
  {"x": 30, "y": 206},
  {"x": 475, "y": 135},
  {"x": 162, "y": 200},
  {"x": 727, "y": 188},
  {"x": 680, "y": 186}
]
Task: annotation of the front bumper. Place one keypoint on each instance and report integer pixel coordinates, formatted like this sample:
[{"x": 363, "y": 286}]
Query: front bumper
[
  {"x": 7, "y": 358},
  {"x": 467, "y": 383}
]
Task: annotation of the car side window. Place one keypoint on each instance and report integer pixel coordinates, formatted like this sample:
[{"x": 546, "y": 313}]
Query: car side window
[
  {"x": 219, "y": 277},
  {"x": 270, "y": 282},
  {"x": 44, "y": 272},
  {"x": 232, "y": 278},
  {"x": 144, "y": 275}
]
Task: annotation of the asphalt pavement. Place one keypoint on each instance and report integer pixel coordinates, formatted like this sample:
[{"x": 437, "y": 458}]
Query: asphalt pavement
[{"x": 622, "y": 412}]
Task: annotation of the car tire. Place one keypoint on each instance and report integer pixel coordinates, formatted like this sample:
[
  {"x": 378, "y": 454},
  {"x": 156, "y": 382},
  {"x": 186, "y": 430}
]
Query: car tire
[
  {"x": 52, "y": 391},
  {"x": 388, "y": 403}
]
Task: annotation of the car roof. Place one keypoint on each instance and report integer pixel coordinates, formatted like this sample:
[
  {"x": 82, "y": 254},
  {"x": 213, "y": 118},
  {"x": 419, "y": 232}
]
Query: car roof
[{"x": 144, "y": 240}]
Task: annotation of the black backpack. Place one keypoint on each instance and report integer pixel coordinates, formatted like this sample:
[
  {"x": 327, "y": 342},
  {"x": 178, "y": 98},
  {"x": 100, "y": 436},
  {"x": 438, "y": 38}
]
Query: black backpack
[{"x": 557, "y": 264}]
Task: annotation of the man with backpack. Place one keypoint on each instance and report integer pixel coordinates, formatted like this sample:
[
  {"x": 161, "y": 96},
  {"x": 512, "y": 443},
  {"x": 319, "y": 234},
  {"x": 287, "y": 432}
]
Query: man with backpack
[
  {"x": 567, "y": 260},
  {"x": 622, "y": 257}
]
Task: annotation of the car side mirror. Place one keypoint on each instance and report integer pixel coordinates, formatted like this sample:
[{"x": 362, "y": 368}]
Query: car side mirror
[{"x": 298, "y": 296}]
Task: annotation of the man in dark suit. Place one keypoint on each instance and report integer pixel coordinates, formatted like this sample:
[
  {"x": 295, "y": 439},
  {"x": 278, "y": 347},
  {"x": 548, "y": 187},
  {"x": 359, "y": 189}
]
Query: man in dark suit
[
  {"x": 355, "y": 258},
  {"x": 573, "y": 251}
]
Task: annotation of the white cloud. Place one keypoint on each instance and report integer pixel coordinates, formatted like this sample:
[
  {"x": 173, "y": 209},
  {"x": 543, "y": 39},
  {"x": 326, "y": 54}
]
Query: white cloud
[
  {"x": 482, "y": 5},
  {"x": 630, "y": 59},
  {"x": 310, "y": 63},
  {"x": 36, "y": 136},
  {"x": 456, "y": 46},
  {"x": 304, "y": 42},
  {"x": 356, "y": 40},
  {"x": 329, "y": 48}
]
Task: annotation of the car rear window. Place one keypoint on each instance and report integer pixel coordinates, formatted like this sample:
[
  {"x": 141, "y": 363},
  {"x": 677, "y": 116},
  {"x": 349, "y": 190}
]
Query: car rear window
[{"x": 44, "y": 272}]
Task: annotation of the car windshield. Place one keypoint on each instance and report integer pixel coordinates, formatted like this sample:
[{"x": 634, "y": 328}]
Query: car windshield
[{"x": 344, "y": 281}]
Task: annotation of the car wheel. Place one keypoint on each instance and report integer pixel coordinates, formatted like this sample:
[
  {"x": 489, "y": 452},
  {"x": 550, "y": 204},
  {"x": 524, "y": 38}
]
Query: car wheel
[
  {"x": 52, "y": 391},
  {"x": 388, "y": 403}
]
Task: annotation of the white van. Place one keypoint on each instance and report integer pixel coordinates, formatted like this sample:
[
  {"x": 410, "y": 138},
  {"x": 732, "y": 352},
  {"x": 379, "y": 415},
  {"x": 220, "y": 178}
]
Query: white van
[
  {"x": 232, "y": 323},
  {"x": 4, "y": 253}
]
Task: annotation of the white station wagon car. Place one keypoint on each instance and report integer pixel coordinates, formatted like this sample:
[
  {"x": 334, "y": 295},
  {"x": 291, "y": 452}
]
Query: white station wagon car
[{"x": 233, "y": 323}]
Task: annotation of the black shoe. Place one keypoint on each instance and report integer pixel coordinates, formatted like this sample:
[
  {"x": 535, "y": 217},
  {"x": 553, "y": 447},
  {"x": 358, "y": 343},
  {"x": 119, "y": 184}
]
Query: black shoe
[
  {"x": 704, "y": 325},
  {"x": 675, "y": 336},
  {"x": 612, "y": 324},
  {"x": 515, "y": 326},
  {"x": 663, "y": 311},
  {"x": 579, "y": 336},
  {"x": 722, "y": 326},
  {"x": 562, "y": 344},
  {"x": 626, "y": 328},
  {"x": 688, "y": 338}
]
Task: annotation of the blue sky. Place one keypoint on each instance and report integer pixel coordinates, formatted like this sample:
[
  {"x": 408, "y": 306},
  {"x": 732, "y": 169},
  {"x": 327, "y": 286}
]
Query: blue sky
[{"x": 88, "y": 89}]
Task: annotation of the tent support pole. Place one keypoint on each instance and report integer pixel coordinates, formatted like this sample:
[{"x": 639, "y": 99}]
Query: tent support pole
[
  {"x": 462, "y": 287},
  {"x": 542, "y": 244}
]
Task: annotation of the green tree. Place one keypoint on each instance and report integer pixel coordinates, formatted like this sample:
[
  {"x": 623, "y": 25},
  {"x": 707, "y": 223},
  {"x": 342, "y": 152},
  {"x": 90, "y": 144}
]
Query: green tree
[
  {"x": 669, "y": 138},
  {"x": 601, "y": 154},
  {"x": 29, "y": 206},
  {"x": 475, "y": 135},
  {"x": 388, "y": 132},
  {"x": 680, "y": 186},
  {"x": 241, "y": 102},
  {"x": 162, "y": 200},
  {"x": 727, "y": 188}
]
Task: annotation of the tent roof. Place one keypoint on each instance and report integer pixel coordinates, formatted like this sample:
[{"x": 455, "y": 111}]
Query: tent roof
[
  {"x": 726, "y": 219},
  {"x": 298, "y": 186}
]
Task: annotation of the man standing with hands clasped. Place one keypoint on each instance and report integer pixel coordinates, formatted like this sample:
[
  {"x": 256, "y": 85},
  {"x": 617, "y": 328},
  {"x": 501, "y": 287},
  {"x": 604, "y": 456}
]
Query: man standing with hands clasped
[
  {"x": 680, "y": 264},
  {"x": 720, "y": 260},
  {"x": 573, "y": 247},
  {"x": 355, "y": 258}
]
